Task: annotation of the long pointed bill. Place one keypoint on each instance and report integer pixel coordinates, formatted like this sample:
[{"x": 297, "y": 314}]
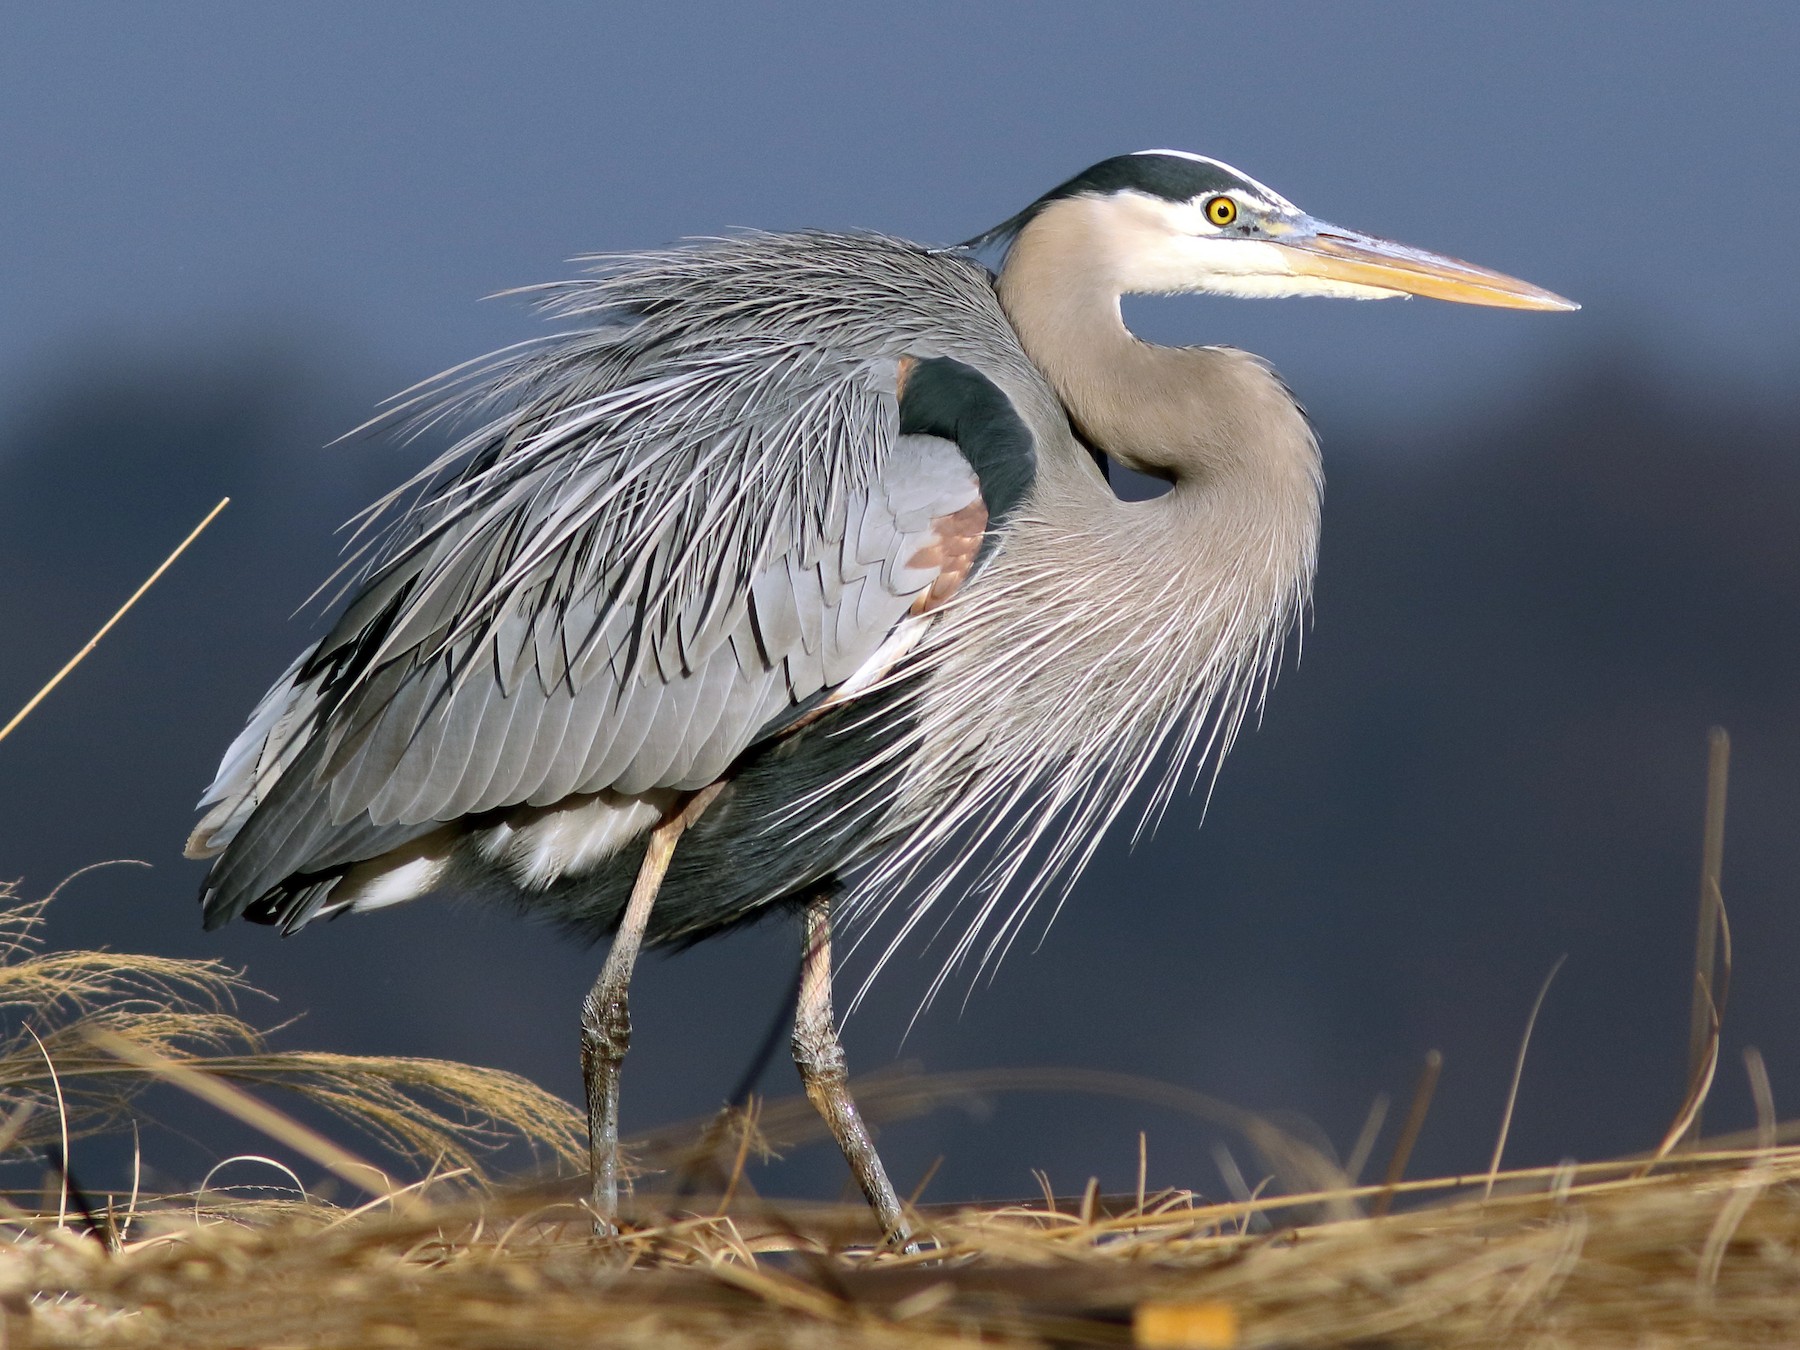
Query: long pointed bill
[{"x": 1319, "y": 250}]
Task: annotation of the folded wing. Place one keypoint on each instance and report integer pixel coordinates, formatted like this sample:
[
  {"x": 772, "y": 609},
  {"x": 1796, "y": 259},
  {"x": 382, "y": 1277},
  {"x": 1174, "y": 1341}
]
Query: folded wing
[{"x": 679, "y": 531}]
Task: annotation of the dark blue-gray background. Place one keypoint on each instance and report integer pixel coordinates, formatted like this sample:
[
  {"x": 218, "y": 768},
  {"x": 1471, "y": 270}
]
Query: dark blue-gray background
[{"x": 1556, "y": 547}]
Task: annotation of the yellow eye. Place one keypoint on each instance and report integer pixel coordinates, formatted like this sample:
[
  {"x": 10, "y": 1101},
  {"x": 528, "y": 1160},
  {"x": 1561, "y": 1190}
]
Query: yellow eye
[{"x": 1221, "y": 211}]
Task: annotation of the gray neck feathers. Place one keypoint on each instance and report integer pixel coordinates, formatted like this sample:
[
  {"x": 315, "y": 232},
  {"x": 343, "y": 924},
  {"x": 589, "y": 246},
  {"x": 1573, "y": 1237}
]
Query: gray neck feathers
[
  {"x": 1106, "y": 643},
  {"x": 1211, "y": 419},
  {"x": 1240, "y": 523}
]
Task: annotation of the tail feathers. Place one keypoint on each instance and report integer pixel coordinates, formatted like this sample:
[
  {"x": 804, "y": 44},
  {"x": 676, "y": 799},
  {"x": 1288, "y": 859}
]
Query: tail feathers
[
  {"x": 416, "y": 868},
  {"x": 293, "y": 904}
]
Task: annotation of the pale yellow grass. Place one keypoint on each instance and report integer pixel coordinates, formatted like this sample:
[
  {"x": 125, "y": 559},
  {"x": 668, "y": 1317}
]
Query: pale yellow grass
[
  {"x": 61, "y": 1010},
  {"x": 1701, "y": 1248}
]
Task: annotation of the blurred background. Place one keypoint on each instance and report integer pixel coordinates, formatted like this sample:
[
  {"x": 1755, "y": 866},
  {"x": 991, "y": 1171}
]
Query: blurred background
[{"x": 1557, "y": 548}]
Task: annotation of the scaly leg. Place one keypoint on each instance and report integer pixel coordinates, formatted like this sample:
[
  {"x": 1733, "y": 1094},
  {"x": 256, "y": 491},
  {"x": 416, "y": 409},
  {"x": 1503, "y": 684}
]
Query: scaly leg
[
  {"x": 820, "y": 1059},
  {"x": 606, "y": 1013}
]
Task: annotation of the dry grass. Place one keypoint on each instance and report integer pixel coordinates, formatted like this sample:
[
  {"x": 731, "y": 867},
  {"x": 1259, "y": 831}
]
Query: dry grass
[
  {"x": 73, "y": 1023},
  {"x": 1707, "y": 1254},
  {"x": 1701, "y": 1248}
]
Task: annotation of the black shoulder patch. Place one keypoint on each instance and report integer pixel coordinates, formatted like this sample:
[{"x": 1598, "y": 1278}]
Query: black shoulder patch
[{"x": 949, "y": 398}]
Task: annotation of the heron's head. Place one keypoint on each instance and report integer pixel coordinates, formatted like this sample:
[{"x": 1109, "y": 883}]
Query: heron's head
[{"x": 1165, "y": 221}]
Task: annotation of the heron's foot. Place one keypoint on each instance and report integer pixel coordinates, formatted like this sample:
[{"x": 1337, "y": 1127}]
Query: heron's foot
[
  {"x": 823, "y": 1073},
  {"x": 605, "y": 1037},
  {"x": 606, "y": 1015},
  {"x": 819, "y": 1056}
]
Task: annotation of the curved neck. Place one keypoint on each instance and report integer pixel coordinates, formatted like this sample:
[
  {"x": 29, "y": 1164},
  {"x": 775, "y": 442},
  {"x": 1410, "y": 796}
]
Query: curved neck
[{"x": 1193, "y": 415}]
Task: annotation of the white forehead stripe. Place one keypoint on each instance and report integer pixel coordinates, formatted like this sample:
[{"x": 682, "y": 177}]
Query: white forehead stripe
[
  {"x": 1263, "y": 188},
  {"x": 1188, "y": 154}
]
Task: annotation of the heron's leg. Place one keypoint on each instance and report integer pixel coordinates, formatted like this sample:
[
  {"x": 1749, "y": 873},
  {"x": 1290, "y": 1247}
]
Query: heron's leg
[
  {"x": 820, "y": 1058},
  {"x": 606, "y": 1012}
]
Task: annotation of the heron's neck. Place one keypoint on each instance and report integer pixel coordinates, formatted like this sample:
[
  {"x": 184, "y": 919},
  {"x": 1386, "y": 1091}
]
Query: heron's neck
[{"x": 1210, "y": 419}]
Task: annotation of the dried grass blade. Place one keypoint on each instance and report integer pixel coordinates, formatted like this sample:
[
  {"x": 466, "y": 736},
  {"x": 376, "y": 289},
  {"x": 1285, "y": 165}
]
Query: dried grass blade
[
  {"x": 1686, "y": 1129},
  {"x": 1512, "y": 1092},
  {"x": 107, "y": 627},
  {"x": 1707, "y": 1007},
  {"x": 1423, "y": 1091}
]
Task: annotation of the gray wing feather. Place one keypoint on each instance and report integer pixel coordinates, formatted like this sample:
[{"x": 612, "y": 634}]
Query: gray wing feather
[
  {"x": 470, "y": 705},
  {"x": 255, "y": 759},
  {"x": 495, "y": 756},
  {"x": 915, "y": 497},
  {"x": 590, "y": 712},
  {"x": 649, "y": 768},
  {"x": 374, "y": 774},
  {"x": 873, "y": 608},
  {"x": 712, "y": 694},
  {"x": 513, "y": 652},
  {"x": 805, "y": 669},
  {"x": 774, "y": 613},
  {"x": 850, "y": 652},
  {"x": 630, "y": 729},
  {"x": 418, "y": 769},
  {"x": 553, "y": 721},
  {"x": 825, "y": 583},
  {"x": 754, "y": 699},
  {"x": 875, "y": 532},
  {"x": 808, "y": 594}
]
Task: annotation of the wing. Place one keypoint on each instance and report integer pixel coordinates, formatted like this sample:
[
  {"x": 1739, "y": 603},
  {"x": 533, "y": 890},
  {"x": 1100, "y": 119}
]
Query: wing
[{"x": 679, "y": 532}]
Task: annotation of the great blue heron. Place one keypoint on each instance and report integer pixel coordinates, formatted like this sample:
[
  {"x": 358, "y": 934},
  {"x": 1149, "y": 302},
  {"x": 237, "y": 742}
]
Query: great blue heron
[{"x": 792, "y": 578}]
